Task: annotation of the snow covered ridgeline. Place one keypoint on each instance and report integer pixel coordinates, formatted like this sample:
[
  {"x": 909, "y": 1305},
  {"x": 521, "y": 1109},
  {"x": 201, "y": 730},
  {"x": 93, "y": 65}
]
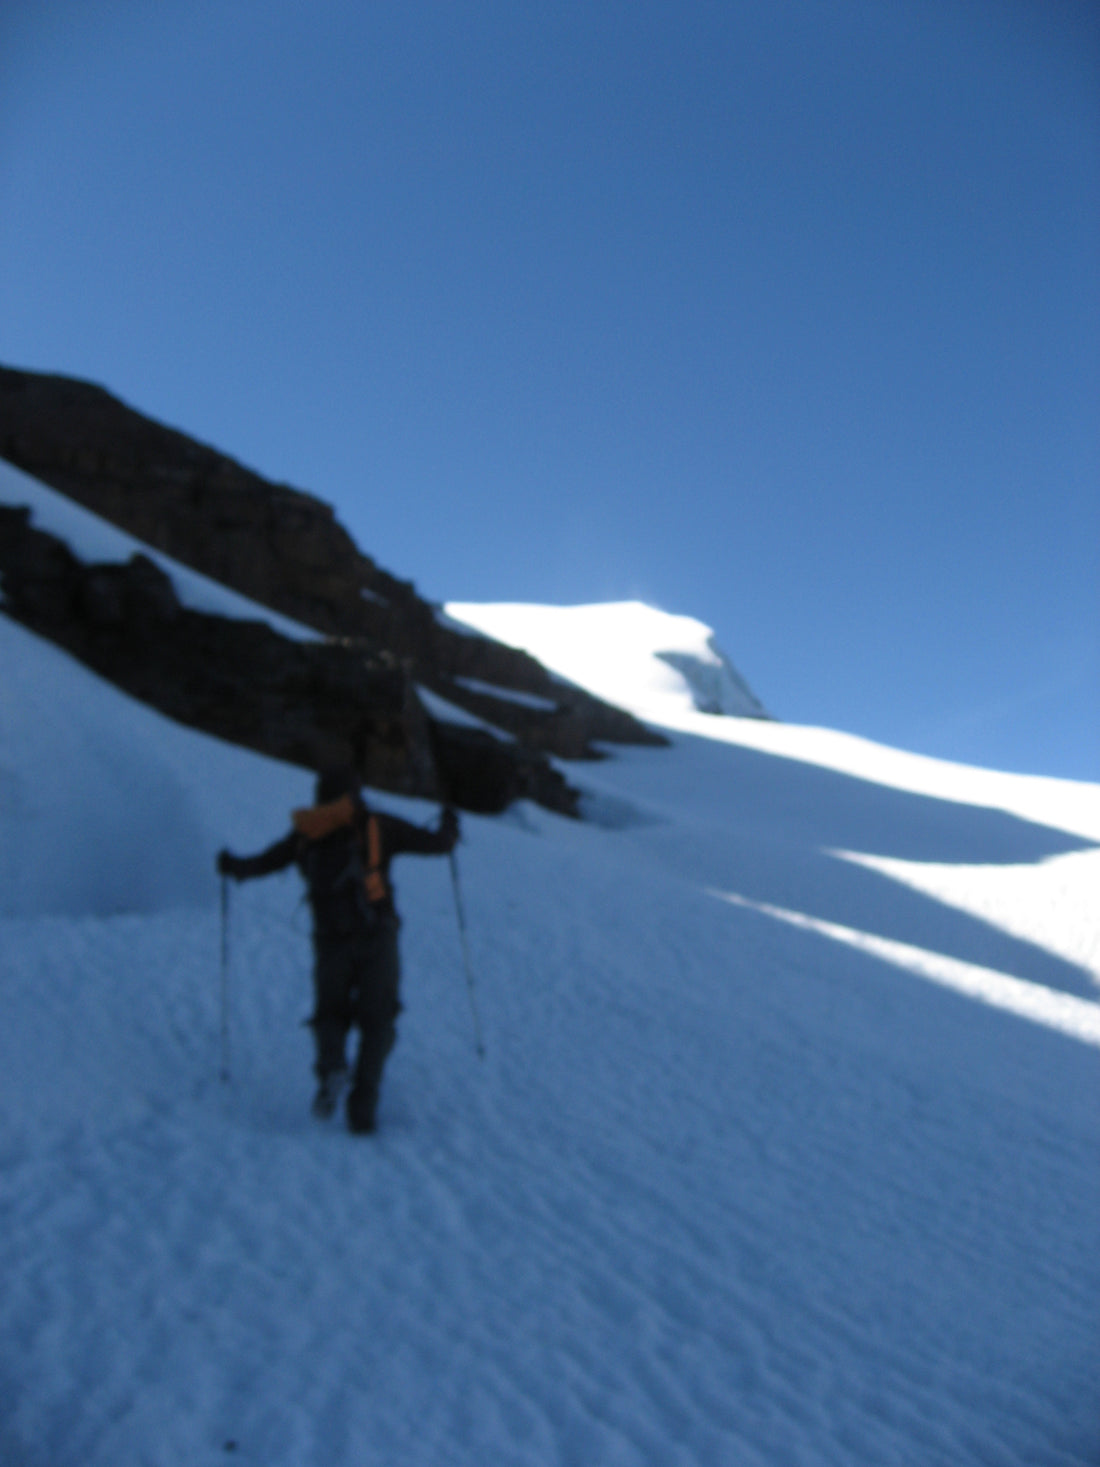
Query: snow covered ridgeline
[
  {"x": 653, "y": 664},
  {"x": 668, "y": 670}
]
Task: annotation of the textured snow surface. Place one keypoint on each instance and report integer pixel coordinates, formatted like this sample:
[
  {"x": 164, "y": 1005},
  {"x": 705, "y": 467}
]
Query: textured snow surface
[{"x": 729, "y": 1187}]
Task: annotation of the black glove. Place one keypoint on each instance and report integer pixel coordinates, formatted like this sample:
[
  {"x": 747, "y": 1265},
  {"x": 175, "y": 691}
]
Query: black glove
[
  {"x": 448, "y": 826},
  {"x": 228, "y": 865}
]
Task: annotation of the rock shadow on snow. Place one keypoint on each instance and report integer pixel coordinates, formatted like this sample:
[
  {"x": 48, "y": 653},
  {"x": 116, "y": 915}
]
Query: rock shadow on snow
[{"x": 771, "y": 829}]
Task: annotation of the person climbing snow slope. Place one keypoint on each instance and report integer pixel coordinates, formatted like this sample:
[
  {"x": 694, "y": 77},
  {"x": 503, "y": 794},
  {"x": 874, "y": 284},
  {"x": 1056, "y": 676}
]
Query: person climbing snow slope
[{"x": 343, "y": 850}]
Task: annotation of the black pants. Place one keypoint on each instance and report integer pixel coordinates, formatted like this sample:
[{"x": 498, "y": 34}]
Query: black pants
[{"x": 356, "y": 981}]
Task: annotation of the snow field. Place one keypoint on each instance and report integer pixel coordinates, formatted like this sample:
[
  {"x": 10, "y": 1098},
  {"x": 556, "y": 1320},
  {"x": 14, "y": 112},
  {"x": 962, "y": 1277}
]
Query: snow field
[{"x": 723, "y": 1191}]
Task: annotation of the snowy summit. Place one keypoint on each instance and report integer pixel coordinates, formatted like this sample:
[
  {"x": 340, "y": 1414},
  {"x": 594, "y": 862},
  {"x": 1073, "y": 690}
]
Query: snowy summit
[
  {"x": 784, "y": 1147},
  {"x": 655, "y": 665}
]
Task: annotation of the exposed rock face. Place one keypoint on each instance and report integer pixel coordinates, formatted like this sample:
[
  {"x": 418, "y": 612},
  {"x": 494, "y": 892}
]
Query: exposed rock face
[
  {"x": 353, "y": 695},
  {"x": 282, "y": 548},
  {"x": 309, "y": 703}
]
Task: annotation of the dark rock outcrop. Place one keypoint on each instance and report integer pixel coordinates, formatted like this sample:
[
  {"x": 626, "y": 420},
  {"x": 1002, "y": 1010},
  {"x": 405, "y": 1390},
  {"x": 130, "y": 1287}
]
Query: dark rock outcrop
[
  {"x": 350, "y": 694},
  {"x": 284, "y": 549},
  {"x": 309, "y": 703}
]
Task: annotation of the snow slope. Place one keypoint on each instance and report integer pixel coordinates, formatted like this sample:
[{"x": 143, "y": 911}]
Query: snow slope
[{"x": 736, "y": 1183}]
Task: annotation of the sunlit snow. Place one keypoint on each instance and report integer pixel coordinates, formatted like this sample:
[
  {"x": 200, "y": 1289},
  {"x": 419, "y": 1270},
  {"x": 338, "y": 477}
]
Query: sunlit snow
[
  {"x": 737, "y": 1182},
  {"x": 655, "y": 664}
]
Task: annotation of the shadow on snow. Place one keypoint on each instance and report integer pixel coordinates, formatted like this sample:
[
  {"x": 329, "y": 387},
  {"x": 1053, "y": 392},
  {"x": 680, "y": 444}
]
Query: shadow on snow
[{"x": 766, "y": 826}]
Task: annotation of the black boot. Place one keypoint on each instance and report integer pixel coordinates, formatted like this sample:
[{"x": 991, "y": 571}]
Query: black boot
[
  {"x": 361, "y": 1107},
  {"x": 329, "y": 1089}
]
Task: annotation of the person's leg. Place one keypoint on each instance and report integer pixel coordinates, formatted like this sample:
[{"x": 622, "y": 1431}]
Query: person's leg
[
  {"x": 334, "y": 972},
  {"x": 376, "y": 1014}
]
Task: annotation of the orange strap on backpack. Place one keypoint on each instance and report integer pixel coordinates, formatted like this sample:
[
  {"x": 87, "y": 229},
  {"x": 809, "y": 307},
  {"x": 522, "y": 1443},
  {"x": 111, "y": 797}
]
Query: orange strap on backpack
[
  {"x": 323, "y": 820},
  {"x": 375, "y": 879}
]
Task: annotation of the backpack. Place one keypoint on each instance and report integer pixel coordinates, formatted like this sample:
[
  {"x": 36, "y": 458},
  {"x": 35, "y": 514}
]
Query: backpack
[{"x": 343, "y": 863}]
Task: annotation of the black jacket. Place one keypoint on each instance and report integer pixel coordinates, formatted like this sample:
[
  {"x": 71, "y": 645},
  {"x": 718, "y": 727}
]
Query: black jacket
[{"x": 345, "y": 862}]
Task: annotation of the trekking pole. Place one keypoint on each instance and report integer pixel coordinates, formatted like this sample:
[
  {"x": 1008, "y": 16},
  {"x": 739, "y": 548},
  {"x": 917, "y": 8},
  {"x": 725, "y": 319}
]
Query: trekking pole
[
  {"x": 225, "y": 983},
  {"x": 461, "y": 914},
  {"x": 460, "y": 911}
]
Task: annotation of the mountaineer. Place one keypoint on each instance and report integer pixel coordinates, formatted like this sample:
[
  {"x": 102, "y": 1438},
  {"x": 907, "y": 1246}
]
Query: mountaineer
[{"x": 344, "y": 849}]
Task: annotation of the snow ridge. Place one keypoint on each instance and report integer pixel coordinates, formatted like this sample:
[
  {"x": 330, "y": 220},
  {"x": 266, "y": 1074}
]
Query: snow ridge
[{"x": 645, "y": 660}]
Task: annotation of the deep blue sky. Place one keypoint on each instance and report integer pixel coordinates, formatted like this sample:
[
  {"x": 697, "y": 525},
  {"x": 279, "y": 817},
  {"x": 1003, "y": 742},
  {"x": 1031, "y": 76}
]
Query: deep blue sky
[{"x": 784, "y": 315}]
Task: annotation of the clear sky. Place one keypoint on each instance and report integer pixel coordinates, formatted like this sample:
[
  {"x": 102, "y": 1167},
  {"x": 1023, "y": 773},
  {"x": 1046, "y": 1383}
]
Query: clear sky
[{"x": 784, "y": 314}]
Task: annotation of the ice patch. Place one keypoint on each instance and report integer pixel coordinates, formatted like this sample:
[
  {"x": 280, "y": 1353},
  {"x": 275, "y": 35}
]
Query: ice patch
[{"x": 715, "y": 684}]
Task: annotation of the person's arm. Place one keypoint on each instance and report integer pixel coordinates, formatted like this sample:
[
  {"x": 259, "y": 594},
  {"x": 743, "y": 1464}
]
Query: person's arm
[
  {"x": 400, "y": 837},
  {"x": 277, "y": 857}
]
